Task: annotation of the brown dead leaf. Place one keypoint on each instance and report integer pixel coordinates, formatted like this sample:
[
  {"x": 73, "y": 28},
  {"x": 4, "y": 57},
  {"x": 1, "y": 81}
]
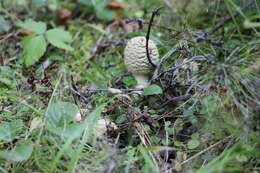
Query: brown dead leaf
[
  {"x": 64, "y": 14},
  {"x": 27, "y": 32},
  {"x": 115, "y": 5}
]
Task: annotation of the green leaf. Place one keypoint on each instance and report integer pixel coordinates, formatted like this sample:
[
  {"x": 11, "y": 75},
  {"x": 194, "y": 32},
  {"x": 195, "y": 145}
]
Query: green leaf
[
  {"x": 4, "y": 25},
  {"x": 153, "y": 89},
  {"x": 34, "y": 48},
  {"x": 195, "y": 136},
  {"x": 59, "y": 38},
  {"x": 20, "y": 153},
  {"x": 59, "y": 119},
  {"x": 37, "y": 27},
  {"x": 192, "y": 144},
  {"x": 129, "y": 81},
  {"x": 10, "y": 130},
  {"x": 105, "y": 14}
]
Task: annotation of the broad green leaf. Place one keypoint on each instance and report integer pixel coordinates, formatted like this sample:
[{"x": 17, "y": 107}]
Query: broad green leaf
[
  {"x": 129, "y": 81},
  {"x": 20, "y": 153},
  {"x": 59, "y": 119},
  {"x": 4, "y": 25},
  {"x": 37, "y": 27},
  {"x": 34, "y": 48},
  {"x": 195, "y": 136},
  {"x": 153, "y": 89},
  {"x": 192, "y": 144},
  {"x": 87, "y": 126},
  {"x": 59, "y": 38},
  {"x": 10, "y": 130},
  {"x": 105, "y": 14}
]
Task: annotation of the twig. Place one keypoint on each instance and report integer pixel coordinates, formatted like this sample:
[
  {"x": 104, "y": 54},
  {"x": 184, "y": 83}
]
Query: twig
[
  {"x": 75, "y": 90},
  {"x": 228, "y": 19},
  {"x": 107, "y": 89},
  {"x": 162, "y": 60},
  {"x": 205, "y": 150},
  {"x": 155, "y": 12},
  {"x": 142, "y": 21},
  {"x": 169, "y": 4},
  {"x": 180, "y": 65},
  {"x": 81, "y": 93},
  {"x": 174, "y": 99},
  {"x": 6, "y": 37},
  {"x": 205, "y": 35}
]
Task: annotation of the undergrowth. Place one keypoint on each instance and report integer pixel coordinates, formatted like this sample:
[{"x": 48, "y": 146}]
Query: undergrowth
[{"x": 61, "y": 58}]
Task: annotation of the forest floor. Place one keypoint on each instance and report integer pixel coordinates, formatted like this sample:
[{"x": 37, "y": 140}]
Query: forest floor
[{"x": 66, "y": 97}]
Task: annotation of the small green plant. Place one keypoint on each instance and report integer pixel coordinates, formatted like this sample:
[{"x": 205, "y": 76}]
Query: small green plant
[{"x": 35, "y": 45}]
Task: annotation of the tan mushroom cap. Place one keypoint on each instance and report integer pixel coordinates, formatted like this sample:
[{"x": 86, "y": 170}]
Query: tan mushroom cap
[{"x": 135, "y": 57}]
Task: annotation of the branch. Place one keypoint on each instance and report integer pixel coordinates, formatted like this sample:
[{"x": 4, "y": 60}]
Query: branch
[
  {"x": 155, "y": 12},
  {"x": 164, "y": 58},
  {"x": 228, "y": 19},
  {"x": 180, "y": 65},
  {"x": 207, "y": 149},
  {"x": 205, "y": 35}
]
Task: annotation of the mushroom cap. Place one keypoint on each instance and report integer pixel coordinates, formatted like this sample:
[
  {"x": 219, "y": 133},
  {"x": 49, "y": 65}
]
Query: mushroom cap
[
  {"x": 104, "y": 126},
  {"x": 115, "y": 5},
  {"x": 136, "y": 60}
]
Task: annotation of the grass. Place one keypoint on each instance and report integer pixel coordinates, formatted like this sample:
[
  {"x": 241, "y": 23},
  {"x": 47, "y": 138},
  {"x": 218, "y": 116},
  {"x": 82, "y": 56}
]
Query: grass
[{"x": 215, "y": 128}]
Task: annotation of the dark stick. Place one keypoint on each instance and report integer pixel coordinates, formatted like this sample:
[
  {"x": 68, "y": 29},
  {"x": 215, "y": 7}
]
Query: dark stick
[
  {"x": 155, "y": 12},
  {"x": 175, "y": 100}
]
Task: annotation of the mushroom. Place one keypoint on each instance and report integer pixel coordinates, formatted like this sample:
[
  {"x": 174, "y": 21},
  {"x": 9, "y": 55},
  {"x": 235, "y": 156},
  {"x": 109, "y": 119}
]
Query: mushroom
[
  {"x": 136, "y": 60},
  {"x": 105, "y": 127},
  {"x": 116, "y": 7}
]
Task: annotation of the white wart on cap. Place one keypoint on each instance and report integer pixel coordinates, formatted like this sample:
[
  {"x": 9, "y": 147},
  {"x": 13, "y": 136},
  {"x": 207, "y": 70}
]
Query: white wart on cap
[{"x": 136, "y": 60}]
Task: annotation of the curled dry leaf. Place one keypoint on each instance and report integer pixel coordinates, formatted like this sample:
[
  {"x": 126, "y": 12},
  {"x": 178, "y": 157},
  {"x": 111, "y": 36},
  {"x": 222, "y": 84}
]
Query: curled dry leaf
[
  {"x": 64, "y": 14},
  {"x": 115, "y": 5},
  {"x": 27, "y": 32}
]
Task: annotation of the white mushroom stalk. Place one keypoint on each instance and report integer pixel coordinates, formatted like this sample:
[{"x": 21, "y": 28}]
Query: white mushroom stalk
[{"x": 136, "y": 60}]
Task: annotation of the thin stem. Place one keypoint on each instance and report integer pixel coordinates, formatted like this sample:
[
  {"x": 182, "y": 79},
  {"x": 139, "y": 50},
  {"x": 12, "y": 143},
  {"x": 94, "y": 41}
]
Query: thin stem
[{"x": 155, "y": 12}]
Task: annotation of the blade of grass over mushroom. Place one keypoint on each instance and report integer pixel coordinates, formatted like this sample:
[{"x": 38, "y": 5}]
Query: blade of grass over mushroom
[
  {"x": 86, "y": 127},
  {"x": 88, "y": 124},
  {"x": 149, "y": 162}
]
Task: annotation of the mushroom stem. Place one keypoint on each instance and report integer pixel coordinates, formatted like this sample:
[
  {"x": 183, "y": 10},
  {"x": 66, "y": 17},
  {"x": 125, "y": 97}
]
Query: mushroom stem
[{"x": 142, "y": 80}]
